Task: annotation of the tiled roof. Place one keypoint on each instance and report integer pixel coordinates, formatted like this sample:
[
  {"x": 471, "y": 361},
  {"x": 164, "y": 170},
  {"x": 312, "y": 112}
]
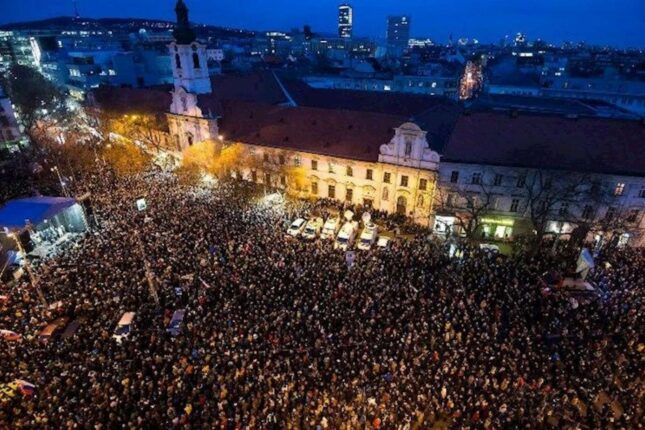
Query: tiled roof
[
  {"x": 584, "y": 144},
  {"x": 339, "y": 133},
  {"x": 132, "y": 100}
]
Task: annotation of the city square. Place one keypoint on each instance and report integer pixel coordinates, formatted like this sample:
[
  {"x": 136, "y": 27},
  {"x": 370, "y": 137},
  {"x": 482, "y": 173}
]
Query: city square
[{"x": 292, "y": 248}]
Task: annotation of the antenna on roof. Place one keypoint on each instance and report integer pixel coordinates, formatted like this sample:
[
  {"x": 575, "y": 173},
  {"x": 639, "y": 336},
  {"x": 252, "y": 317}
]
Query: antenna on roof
[{"x": 76, "y": 14}]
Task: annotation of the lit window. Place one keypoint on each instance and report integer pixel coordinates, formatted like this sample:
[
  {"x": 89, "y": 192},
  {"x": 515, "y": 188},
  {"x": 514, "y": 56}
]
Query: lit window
[{"x": 620, "y": 189}]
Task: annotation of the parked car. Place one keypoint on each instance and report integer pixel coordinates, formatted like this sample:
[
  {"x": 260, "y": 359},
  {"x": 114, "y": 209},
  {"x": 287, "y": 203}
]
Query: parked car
[
  {"x": 368, "y": 237},
  {"x": 296, "y": 227},
  {"x": 124, "y": 327},
  {"x": 312, "y": 229},
  {"x": 346, "y": 236},
  {"x": 330, "y": 229}
]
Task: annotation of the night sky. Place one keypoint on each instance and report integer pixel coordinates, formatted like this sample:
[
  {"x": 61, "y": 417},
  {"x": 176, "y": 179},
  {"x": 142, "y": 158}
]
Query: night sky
[{"x": 610, "y": 22}]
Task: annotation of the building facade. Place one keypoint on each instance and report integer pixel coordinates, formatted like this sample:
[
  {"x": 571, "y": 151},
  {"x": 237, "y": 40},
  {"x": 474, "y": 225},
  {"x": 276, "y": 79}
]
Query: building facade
[{"x": 345, "y": 20}]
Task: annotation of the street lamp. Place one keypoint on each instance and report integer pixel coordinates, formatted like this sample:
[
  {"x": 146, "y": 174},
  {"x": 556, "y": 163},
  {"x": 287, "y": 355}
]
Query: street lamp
[{"x": 60, "y": 179}]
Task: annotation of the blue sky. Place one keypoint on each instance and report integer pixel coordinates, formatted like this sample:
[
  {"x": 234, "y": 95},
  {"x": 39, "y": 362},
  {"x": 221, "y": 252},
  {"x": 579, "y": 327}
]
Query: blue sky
[{"x": 613, "y": 22}]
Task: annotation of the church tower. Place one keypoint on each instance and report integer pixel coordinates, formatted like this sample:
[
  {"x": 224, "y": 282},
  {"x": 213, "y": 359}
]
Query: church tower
[{"x": 189, "y": 57}]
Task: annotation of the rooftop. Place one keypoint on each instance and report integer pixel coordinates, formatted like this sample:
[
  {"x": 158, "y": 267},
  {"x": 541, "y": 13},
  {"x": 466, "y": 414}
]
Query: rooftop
[{"x": 553, "y": 142}]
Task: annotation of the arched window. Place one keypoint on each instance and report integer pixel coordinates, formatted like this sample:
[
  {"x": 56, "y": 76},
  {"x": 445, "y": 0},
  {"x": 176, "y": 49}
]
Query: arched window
[
  {"x": 195, "y": 60},
  {"x": 177, "y": 61},
  {"x": 401, "y": 204}
]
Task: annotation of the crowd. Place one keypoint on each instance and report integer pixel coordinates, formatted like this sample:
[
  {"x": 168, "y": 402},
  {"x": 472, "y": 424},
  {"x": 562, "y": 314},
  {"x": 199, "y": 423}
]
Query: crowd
[{"x": 281, "y": 334}]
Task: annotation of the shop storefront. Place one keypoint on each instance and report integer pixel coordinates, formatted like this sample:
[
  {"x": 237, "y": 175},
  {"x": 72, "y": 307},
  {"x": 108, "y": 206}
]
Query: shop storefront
[
  {"x": 444, "y": 225},
  {"x": 497, "y": 227}
]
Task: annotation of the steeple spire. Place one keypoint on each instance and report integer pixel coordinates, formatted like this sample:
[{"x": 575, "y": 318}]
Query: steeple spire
[{"x": 183, "y": 34}]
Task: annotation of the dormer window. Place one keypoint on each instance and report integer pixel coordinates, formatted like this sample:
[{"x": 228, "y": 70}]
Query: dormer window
[{"x": 408, "y": 148}]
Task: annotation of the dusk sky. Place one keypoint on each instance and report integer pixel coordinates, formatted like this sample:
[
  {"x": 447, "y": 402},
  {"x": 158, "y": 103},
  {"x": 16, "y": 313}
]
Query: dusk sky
[{"x": 612, "y": 22}]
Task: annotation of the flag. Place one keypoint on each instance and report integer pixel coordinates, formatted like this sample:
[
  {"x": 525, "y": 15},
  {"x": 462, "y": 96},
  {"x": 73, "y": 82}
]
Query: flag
[
  {"x": 585, "y": 263},
  {"x": 9, "y": 335},
  {"x": 25, "y": 388}
]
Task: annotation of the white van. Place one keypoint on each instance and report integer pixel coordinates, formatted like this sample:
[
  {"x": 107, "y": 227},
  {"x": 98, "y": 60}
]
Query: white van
[
  {"x": 296, "y": 227},
  {"x": 346, "y": 236},
  {"x": 124, "y": 327},
  {"x": 330, "y": 229},
  {"x": 312, "y": 229},
  {"x": 368, "y": 237}
]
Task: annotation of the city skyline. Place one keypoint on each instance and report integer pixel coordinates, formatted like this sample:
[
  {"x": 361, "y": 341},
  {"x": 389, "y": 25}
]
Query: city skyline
[{"x": 549, "y": 20}]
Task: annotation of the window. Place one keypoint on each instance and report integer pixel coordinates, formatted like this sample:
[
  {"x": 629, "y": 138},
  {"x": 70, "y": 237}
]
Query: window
[
  {"x": 387, "y": 177},
  {"x": 641, "y": 193},
  {"x": 620, "y": 189},
  {"x": 587, "y": 212},
  {"x": 611, "y": 212},
  {"x": 195, "y": 60},
  {"x": 282, "y": 160},
  {"x": 266, "y": 157},
  {"x": 449, "y": 200},
  {"x": 368, "y": 174},
  {"x": 314, "y": 188},
  {"x": 477, "y": 178},
  {"x": 331, "y": 191},
  {"x": 404, "y": 181},
  {"x": 408, "y": 148},
  {"x": 633, "y": 215},
  {"x": 267, "y": 179},
  {"x": 349, "y": 195},
  {"x": 297, "y": 161},
  {"x": 454, "y": 176},
  {"x": 283, "y": 180},
  {"x": 314, "y": 164},
  {"x": 350, "y": 171},
  {"x": 515, "y": 203},
  {"x": 423, "y": 184},
  {"x": 331, "y": 167},
  {"x": 564, "y": 209},
  {"x": 521, "y": 181},
  {"x": 498, "y": 179},
  {"x": 177, "y": 61},
  {"x": 386, "y": 194}
]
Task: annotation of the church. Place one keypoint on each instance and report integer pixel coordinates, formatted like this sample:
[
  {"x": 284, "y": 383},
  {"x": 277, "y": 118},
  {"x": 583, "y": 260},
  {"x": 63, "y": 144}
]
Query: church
[{"x": 350, "y": 151}]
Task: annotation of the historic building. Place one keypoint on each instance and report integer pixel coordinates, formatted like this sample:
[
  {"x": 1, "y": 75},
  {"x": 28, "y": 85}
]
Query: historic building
[{"x": 421, "y": 156}]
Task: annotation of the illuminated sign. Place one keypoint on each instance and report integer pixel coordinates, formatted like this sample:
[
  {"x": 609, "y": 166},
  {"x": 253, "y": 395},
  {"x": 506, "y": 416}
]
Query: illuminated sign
[{"x": 508, "y": 222}]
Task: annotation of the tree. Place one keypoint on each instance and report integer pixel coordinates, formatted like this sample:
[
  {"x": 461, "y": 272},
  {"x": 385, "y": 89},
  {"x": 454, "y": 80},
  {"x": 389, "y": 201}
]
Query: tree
[
  {"x": 142, "y": 128},
  {"x": 200, "y": 157},
  {"x": 126, "y": 159},
  {"x": 39, "y": 102},
  {"x": 553, "y": 195},
  {"x": 467, "y": 203}
]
